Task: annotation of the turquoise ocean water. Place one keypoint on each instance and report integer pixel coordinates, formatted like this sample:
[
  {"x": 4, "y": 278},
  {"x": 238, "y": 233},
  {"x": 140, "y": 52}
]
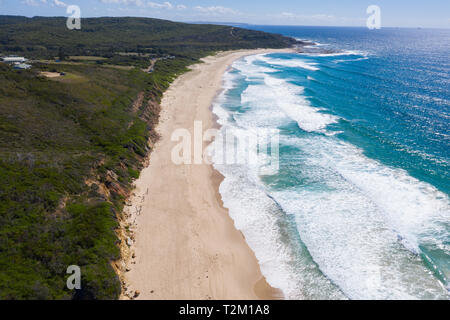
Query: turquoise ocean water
[{"x": 360, "y": 206}]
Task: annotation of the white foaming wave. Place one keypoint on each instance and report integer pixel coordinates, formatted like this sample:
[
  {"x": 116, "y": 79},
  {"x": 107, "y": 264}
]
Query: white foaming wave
[
  {"x": 333, "y": 133},
  {"x": 304, "y": 40},
  {"x": 364, "y": 55},
  {"x": 412, "y": 207},
  {"x": 288, "y": 98},
  {"x": 351, "y": 60},
  {"x": 349, "y": 234},
  {"x": 318, "y": 44},
  {"x": 247, "y": 67},
  {"x": 252, "y": 58},
  {"x": 298, "y": 108},
  {"x": 255, "y": 214},
  {"x": 314, "y": 45},
  {"x": 249, "y": 208},
  {"x": 291, "y": 63},
  {"x": 353, "y": 247},
  {"x": 356, "y": 226},
  {"x": 221, "y": 113},
  {"x": 262, "y": 111},
  {"x": 280, "y": 93},
  {"x": 228, "y": 81}
]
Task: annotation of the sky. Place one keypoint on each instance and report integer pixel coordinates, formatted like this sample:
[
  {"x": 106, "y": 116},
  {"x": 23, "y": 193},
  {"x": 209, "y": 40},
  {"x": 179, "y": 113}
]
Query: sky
[{"x": 394, "y": 13}]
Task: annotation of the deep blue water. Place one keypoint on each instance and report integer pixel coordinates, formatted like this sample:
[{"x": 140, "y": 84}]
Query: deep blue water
[
  {"x": 400, "y": 95},
  {"x": 360, "y": 205}
]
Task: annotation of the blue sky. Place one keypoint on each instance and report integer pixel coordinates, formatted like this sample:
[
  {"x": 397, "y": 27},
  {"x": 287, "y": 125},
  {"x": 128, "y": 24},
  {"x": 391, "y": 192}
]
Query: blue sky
[{"x": 394, "y": 13}]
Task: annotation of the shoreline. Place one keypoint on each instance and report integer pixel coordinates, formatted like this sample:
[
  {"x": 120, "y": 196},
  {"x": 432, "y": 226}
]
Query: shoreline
[{"x": 183, "y": 244}]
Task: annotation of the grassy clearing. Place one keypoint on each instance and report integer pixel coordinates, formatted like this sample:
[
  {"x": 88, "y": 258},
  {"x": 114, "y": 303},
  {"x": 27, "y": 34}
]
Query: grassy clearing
[{"x": 86, "y": 58}]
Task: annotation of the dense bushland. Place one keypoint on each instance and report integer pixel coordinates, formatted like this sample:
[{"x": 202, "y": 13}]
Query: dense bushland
[{"x": 70, "y": 146}]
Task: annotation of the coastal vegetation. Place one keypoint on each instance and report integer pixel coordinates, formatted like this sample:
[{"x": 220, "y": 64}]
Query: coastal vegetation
[
  {"x": 71, "y": 145},
  {"x": 109, "y": 37}
]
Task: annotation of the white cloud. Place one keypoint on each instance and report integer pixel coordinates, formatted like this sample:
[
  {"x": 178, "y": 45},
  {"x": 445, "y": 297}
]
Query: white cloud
[
  {"x": 33, "y": 3},
  {"x": 320, "y": 19},
  {"x": 59, "y": 4},
  {"x": 287, "y": 14},
  {"x": 181, "y": 7},
  {"x": 216, "y": 10},
  {"x": 141, "y": 3},
  {"x": 313, "y": 17},
  {"x": 30, "y": 3},
  {"x": 165, "y": 5}
]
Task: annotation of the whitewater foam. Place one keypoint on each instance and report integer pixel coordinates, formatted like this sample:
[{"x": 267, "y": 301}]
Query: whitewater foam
[
  {"x": 346, "y": 225},
  {"x": 357, "y": 222},
  {"x": 285, "y": 263},
  {"x": 292, "y": 63},
  {"x": 269, "y": 98}
]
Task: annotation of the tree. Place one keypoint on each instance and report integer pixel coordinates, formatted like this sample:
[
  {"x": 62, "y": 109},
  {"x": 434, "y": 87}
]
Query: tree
[{"x": 61, "y": 54}]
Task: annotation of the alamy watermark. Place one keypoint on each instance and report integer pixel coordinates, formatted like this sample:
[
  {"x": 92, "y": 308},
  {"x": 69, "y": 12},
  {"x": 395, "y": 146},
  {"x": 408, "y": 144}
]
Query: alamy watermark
[
  {"x": 374, "y": 20},
  {"x": 74, "y": 20},
  {"x": 256, "y": 148},
  {"x": 74, "y": 281}
]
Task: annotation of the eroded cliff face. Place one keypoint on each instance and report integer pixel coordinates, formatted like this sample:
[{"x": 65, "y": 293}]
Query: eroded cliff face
[{"x": 148, "y": 109}]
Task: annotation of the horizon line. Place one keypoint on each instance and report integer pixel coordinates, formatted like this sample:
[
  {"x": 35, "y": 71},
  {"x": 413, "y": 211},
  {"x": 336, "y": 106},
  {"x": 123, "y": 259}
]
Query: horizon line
[{"x": 228, "y": 22}]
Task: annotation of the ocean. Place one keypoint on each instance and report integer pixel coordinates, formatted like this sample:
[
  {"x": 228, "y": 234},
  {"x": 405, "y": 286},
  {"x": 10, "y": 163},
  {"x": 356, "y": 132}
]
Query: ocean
[{"x": 359, "y": 208}]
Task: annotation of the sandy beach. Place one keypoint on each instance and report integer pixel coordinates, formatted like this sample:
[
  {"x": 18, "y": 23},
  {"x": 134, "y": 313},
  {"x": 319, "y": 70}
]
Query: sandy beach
[{"x": 184, "y": 243}]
